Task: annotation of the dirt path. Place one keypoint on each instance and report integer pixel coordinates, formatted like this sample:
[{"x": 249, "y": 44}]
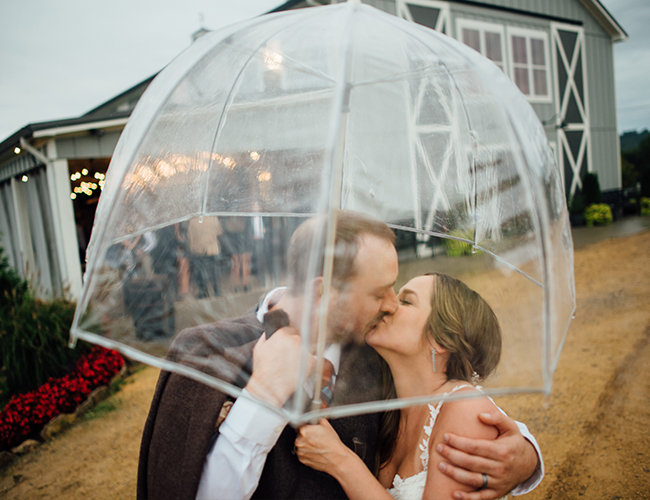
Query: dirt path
[{"x": 593, "y": 429}]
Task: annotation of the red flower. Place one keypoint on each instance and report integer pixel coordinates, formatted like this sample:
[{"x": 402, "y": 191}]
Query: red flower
[{"x": 26, "y": 414}]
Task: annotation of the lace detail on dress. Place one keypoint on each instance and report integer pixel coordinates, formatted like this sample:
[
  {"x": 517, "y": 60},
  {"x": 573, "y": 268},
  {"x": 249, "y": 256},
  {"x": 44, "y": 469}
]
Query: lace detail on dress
[
  {"x": 433, "y": 411},
  {"x": 412, "y": 488}
]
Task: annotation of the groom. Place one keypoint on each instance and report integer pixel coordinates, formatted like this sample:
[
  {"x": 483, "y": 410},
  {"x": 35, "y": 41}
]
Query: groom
[{"x": 185, "y": 454}]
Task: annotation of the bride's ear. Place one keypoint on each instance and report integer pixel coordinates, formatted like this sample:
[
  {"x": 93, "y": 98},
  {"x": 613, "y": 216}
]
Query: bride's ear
[{"x": 433, "y": 345}]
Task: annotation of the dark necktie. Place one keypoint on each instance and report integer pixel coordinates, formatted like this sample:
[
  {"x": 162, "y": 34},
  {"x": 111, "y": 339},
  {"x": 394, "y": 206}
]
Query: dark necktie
[{"x": 327, "y": 384}]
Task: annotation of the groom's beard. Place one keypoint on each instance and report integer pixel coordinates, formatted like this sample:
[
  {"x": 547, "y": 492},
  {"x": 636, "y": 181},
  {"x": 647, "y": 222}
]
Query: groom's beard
[
  {"x": 346, "y": 333},
  {"x": 373, "y": 323}
]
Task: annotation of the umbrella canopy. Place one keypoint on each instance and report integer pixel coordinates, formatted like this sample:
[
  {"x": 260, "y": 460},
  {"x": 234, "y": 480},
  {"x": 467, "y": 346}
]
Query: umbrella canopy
[{"x": 262, "y": 125}]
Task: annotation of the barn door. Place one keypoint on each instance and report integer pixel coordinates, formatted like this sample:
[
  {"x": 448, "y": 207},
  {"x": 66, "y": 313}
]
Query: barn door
[
  {"x": 429, "y": 13},
  {"x": 568, "y": 44}
]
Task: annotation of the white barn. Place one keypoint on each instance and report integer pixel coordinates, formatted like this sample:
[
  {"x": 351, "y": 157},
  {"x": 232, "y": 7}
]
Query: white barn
[{"x": 559, "y": 53}]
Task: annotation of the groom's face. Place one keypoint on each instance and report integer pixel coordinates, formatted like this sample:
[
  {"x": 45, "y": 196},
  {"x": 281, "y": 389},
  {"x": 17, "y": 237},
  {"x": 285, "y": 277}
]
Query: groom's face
[{"x": 369, "y": 295}]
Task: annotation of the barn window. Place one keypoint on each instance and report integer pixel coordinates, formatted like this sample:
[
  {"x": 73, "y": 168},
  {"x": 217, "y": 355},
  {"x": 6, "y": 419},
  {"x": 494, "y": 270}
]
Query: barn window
[
  {"x": 484, "y": 38},
  {"x": 529, "y": 63}
]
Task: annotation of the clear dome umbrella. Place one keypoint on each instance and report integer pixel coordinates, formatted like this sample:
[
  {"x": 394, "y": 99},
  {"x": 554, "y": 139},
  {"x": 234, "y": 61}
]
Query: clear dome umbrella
[{"x": 262, "y": 125}]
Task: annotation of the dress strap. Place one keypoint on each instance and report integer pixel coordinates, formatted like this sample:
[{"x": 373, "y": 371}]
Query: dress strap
[{"x": 433, "y": 414}]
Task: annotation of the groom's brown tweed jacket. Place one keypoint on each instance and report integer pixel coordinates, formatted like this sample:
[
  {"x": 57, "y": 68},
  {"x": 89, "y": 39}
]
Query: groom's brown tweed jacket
[{"x": 181, "y": 425}]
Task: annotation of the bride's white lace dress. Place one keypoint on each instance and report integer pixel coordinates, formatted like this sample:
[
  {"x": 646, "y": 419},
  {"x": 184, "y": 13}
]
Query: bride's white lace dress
[{"x": 412, "y": 488}]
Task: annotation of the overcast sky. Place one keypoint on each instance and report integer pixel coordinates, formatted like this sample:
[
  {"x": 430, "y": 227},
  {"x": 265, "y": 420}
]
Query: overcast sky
[{"x": 61, "y": 58}]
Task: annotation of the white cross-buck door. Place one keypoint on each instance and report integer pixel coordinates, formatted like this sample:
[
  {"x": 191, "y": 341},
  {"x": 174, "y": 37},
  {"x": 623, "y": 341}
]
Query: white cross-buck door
[
  {"x": 429, "y": 13},
  {"x": 568, "y": 45}
]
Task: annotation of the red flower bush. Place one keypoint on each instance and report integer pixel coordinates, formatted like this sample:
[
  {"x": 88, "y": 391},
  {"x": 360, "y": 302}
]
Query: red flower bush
[{"x": 26, "y": 414}]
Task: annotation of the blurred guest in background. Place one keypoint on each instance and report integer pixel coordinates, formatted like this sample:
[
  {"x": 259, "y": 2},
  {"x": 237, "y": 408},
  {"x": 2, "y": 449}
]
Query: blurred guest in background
[{"x": 203, "y": 242}]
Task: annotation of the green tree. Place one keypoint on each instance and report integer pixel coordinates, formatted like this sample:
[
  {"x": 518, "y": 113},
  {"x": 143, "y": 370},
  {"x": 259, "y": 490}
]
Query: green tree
[
  {"x": 591, "y": 189},
  {"x": 639, "y": 158},
  {"x": 629, "y": 173}
]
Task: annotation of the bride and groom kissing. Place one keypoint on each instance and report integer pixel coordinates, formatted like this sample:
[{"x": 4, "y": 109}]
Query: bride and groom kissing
[{"x": 436, "y": 336}]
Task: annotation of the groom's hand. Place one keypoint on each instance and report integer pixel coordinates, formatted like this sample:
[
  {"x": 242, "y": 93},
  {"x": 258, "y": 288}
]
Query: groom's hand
[
  {"x": 507, "y": 461},
  {"x": 276, "y": 362}
]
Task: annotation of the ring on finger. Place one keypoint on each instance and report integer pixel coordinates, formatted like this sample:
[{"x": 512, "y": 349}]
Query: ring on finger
[{"x": 485, "y": 482}]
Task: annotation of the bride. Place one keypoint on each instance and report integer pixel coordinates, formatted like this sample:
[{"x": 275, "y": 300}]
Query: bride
[{"x": 442, "y": 338}]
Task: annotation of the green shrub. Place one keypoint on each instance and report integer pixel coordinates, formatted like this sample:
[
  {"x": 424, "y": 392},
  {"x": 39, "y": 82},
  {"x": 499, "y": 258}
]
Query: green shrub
[
  {"x": 10, "y": 284},
  {"x": 645, "y": 206},
  {"x": 577, "y": 203},
  {"x": 33, "y": 336},
  {"x": 598, "y": 214},
  {"x": 455, "y": 248},
  {"x": 591, "y": 189}
]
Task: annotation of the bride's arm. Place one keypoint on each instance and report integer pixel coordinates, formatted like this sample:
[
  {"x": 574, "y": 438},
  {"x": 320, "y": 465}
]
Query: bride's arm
[
  {"x": 459, "y": 417},
  {"x": 319, "y": 447}
]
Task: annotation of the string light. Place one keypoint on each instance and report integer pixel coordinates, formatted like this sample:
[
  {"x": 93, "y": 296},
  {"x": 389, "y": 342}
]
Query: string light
[{"x": 88, "y": 188}]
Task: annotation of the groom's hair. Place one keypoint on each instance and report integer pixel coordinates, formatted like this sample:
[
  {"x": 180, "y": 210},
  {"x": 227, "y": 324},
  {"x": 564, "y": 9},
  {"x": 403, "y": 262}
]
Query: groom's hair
[{"x": 308, "y": 242}]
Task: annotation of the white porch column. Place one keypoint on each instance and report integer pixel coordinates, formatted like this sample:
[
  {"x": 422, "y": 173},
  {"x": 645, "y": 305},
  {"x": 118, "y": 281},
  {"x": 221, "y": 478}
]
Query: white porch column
[
  {"x": 65, "y": 227},
  {"x": 23, "y": 230}
]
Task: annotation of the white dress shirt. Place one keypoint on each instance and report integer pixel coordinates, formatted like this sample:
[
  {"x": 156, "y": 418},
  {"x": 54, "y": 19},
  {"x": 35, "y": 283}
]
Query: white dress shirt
[{"x": 233, "y": 467}]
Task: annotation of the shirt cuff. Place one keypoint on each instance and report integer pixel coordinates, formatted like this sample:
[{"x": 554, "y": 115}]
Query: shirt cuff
[
  {"x": 533, "y": 481},
  {"x": 254, "y": 421}
]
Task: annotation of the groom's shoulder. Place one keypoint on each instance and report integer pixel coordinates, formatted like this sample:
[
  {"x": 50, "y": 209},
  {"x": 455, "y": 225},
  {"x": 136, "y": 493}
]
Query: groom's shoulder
[{"x": 231, "y": 331}]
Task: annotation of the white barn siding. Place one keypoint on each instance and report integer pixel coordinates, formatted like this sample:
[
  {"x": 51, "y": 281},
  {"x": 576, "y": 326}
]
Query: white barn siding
[
  {"x": 602, "y": 105},
  {"x": 87, "y": 146},
  {"x": 385, "y": 5}
]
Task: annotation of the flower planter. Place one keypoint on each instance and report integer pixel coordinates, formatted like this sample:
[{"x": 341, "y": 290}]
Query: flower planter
[{"x": 55, "y": 405}]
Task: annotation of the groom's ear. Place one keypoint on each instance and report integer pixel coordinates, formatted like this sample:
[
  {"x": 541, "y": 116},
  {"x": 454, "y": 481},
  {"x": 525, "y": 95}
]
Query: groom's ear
[
  {"x": 318, "y": 290},
  {"x": 317, "y": 284}
]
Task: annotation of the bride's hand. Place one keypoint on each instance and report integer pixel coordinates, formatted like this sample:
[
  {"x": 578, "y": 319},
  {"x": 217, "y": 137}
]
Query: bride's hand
[{"x": 319, "y": 447}]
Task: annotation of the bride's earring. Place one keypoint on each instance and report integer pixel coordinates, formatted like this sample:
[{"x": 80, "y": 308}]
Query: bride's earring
[{"x": 433, "y": 359}]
